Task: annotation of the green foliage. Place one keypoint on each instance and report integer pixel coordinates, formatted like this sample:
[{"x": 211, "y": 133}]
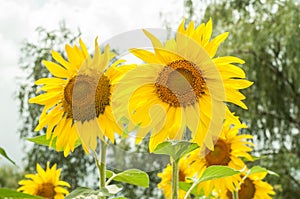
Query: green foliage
[
  {"x": 175, "y": 149},
  {"x": 3, "y": 153},
  {"x": 32, "y": 53},
  {"x": 10, "y": 175},
  {"x": 130, "y": 176},
  {"x": 12, "y": 194},
  {"x": 215, "y": 172},
  {"x": 210, "y": 173},
  {"x": 266, "y": 35}
]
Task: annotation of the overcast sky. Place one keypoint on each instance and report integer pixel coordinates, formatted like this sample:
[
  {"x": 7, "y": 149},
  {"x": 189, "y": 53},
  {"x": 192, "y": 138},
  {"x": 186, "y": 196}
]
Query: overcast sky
[{"x": 103, "y": 18}]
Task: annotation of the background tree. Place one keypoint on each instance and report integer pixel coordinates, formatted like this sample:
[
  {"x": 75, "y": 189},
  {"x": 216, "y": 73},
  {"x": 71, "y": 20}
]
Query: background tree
[
  {"x": 77, "y": 165},
  {"x": 10, "y": 175},
  {"x": 266, "y": 34}
]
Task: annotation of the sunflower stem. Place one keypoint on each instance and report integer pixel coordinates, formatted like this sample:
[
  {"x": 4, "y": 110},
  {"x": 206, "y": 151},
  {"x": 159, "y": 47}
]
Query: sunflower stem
[
  {"x": 101, "y": 165},
  {"x": 175, "y": 178},
  {"x": 235, "y": 195},
  {"x": 187, "y": 194},
  {"x": 103, "y": 148}
]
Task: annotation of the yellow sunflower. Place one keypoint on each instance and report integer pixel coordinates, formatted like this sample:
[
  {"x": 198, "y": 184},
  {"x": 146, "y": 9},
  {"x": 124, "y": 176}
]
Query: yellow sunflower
[
  {"x": 228, "y": 150},
  {"x": 252, "y": 187},
  {"x": 77, "y": 99},
  {"x": 45, "y": 183},
  {"x": 182, "y": 85},
  {"x": 166, "y": 178}
]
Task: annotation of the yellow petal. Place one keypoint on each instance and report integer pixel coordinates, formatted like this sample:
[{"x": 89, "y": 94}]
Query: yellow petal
[
  {"x": 56, "y": 69},
  {"x": 155, "y": 42}
]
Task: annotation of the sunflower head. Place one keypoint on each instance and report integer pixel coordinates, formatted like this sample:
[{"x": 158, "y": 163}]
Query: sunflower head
[
  {"x": 251, "y": 187},
  {"x": 182, "y": 85},
  {"x": 228, "y": 151},
  {"x": 77, "y": 98},
  {"x": 45, "y": 183}
]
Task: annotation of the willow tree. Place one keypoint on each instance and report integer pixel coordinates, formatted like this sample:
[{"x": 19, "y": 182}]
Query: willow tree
[
  {"x": 266, "y": 34},
  {"x": 75, "y": 166}
]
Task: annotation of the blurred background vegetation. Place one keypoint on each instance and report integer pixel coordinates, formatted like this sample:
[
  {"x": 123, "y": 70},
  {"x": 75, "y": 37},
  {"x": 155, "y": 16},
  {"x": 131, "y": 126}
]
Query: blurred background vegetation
[{"x": 265, "y": 33}]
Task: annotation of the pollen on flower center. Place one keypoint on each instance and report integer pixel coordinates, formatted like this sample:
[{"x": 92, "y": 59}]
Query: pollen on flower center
[
  {"x": 220, "y": 155},
  {"x": 46, "y": 190},
  {"x": 247, "y": 190},
  {"x": 180, "y": 83},
  {"x": 85, "y": 97}
]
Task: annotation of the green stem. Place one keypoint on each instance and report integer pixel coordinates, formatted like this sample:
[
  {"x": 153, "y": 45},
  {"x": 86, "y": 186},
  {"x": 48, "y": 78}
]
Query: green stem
[
  {"x": 187, "y": 194},
  {"x": 236, "y": 195},
  {"x": 175, "y": 178},
  {"x": 101, "y": 165},
  {"x": 103, "y": 147}
]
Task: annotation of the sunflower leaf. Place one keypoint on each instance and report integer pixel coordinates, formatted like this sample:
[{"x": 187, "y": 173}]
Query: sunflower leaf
[
  {"x": 132, "y": 176},
  {"x": 216, "y": 172},
  {"x": 259, "y": 169},
  {"x": 41, "y": 140},
  {"x": 13, "y": 194},
  {"x": 3, "y": 153},
  {"x": 109, "y": 173},
  {"x": 175, "y": 149},
  {"x": 211, "y": 173},
  {"x": 186, "y": 186}
]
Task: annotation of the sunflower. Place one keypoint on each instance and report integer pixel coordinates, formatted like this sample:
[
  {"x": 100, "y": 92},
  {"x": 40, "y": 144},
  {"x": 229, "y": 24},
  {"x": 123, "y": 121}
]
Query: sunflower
[
  {"x": 45, "y": 183},
  {"x": 228, "y": 150},
  {"x": 77, "y": 99},
  {"x": 166, "y": 179},
  {"x": 182, "y": 85},
  {"x": 252, "y": 187}
]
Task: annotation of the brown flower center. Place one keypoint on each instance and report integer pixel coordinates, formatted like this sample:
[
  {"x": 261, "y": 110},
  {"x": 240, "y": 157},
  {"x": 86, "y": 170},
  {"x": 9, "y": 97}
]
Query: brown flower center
[
  {"x": 85, "y": 97},
  {"x": 46, "y": 190},
  {"x": 181, "y": 175},
  {"x": 180, "y": 83},
  {"x": 247, "y": 190},
  {"x": 220, "y": 155}
]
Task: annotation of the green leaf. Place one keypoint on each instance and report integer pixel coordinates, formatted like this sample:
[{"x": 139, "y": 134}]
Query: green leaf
[
  {"x": 186, "y": 186},
  {"x": 210, "y": 173},
  {"x": 175, "y": 149},
  {"x": 259, "y": 169},
  {"x": 41, "y": 140},
  {"x": 3, "y": 153},
  {"x": 82, "y": 192},
  {"x": 121, "y": 197},
  {"x": 109, "y": 173},
  {"x": 132, "y": 176},
  {"x": 12, "y": 194},
  {"x": 216, "y": 172},
  {"x": 256, "y": 169}
]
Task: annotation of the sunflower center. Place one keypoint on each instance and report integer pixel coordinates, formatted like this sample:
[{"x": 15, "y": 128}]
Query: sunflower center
[
  {"x": 181, "y": 176},
  {"x": 220, "y": 155},
  {"x": 180, "y": 83},
  {"x": 85, "y": 97},
  {"x": 46, "y": 190},
  {"x": 247, "y": 190}
]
